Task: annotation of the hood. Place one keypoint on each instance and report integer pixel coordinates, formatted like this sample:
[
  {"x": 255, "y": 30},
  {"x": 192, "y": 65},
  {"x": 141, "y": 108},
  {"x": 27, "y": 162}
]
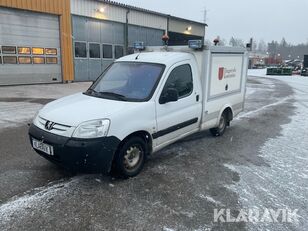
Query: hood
[{"x": 75, "y": 109}]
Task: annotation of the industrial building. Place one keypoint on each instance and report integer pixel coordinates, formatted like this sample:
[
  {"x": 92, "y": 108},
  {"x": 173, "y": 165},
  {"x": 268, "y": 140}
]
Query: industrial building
[{"x": 46, "y": 41}]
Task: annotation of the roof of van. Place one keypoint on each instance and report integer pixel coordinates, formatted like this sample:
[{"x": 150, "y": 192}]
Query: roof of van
[{"x": 157, "y": 57}]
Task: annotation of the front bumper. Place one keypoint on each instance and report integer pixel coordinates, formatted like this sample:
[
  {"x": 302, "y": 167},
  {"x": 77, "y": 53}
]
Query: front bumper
[{"x": 85, "y": 155}]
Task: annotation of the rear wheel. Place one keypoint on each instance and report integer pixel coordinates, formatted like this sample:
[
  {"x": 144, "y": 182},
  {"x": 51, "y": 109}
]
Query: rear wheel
[
  {"x": 130, "y": 157},
  {"x": 222, "y": 125}
]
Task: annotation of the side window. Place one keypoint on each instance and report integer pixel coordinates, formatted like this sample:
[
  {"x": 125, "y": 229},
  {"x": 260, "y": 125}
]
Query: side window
[
  {"x": 24, "y": 50},
  {"x": 80, "y": 50},
  {"x": 95, "y": 50},
  {"x": 118, "y": 52},
  {"x": 51, "y": 51},
  {"x": 37, "y": 51},
  {"x": 107, "y": 51},
  {"x": 9, "y": 60},
  {"x": 181, "y": 79},
  {"x": 8, "y": 50},
  {"x": 24, "y": 60}
]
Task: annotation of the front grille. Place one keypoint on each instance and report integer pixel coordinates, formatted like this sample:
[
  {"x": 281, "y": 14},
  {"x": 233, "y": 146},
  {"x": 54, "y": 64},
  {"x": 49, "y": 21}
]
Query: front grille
[{"x": 56, "y": 126}]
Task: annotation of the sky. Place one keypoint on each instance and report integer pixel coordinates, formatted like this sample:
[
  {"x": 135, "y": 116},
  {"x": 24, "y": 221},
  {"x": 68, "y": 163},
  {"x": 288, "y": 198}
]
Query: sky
[{"x": 261, "y": 19}]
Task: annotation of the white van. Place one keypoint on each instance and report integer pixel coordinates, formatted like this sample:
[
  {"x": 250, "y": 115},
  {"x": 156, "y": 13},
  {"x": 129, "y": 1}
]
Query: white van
[{"x": 142, "y": 103}]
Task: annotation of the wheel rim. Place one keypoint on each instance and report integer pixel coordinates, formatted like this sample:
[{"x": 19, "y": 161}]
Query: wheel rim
[
  {"x": 133, "y": 157},
  {"x": 221, "y": 125}
]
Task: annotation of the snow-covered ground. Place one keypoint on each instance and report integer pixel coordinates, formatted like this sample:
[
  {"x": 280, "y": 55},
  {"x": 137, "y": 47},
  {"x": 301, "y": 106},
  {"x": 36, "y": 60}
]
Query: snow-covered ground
[
  {"x": 14, "y": 114},
  {"x": 16, "y": 108},
  {"x": 49, "y": 91},
  {"x": 285, "y": 184},
  {"x": 281, "y": 185}
]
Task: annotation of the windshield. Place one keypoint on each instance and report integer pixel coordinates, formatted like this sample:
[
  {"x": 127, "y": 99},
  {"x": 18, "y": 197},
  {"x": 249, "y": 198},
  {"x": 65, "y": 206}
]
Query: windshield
[{"x": 128, "y": 81}]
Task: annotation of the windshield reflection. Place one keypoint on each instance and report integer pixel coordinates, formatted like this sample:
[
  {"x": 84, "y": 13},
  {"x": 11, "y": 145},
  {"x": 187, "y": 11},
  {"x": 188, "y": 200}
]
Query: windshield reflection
[{"x": 128, "y": 81}]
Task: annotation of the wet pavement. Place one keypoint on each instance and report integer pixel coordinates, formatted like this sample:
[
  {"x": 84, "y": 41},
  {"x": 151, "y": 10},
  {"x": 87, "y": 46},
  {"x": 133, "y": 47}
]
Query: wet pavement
[{"x": 260, "y": 162}]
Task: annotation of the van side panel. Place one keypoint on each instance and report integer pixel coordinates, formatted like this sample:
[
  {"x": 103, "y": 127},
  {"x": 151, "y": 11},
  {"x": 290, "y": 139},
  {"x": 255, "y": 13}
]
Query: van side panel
[
  {"x": 225, "y": 80},
  {"x": 225, "y": 74}
]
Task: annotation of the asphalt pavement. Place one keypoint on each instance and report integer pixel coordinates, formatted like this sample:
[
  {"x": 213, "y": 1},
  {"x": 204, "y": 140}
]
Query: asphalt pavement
[{"x": 258, "y": 163}]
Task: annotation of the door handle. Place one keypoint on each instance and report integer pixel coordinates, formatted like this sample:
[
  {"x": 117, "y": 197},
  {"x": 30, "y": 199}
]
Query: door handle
[{"x": 197, "y": 98}]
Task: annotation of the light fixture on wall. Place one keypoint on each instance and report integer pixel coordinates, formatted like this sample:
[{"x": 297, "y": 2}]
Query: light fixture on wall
[{"x": 100, "y": 10}]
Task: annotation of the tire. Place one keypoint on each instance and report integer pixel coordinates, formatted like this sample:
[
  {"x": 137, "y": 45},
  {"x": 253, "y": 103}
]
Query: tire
[
  {"x": 220, "y": 130},
  {"x": 130, "y": 157}
]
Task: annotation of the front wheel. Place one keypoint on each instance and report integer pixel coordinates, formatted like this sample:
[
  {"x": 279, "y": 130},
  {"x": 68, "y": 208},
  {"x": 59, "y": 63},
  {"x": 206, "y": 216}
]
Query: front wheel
[
  {"x": 130, "y": 157},
  {"x": 220, "y": 130}
]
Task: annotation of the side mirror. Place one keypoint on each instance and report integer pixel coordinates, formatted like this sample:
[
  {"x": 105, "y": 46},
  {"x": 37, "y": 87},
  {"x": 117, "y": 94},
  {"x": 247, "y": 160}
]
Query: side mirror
[{"x": 170, "y": 95}]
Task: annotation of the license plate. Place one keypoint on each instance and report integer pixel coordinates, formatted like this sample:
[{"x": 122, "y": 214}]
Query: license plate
[{"x": 48, "y": 149}]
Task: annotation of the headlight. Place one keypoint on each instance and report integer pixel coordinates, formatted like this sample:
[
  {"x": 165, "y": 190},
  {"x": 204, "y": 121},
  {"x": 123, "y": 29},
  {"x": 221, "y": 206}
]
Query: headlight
[{"x": 92, "y": 129}]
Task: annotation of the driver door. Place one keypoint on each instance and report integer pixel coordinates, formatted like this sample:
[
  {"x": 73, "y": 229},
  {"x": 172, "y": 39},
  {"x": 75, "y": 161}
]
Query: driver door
[{"x": 179, "y": 118}]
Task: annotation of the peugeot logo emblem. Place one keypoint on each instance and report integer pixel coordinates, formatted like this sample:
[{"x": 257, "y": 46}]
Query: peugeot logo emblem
[{"x": 49, "y": 125}]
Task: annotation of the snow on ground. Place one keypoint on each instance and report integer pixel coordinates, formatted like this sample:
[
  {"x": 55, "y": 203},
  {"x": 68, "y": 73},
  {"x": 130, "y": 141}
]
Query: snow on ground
[
  {"x": 18, "y": 207},
  {"x": 14, "y": 114},
  {"x": 261, "y": 109},
  {"x": 50, "y": 91},
  {"x": 296, "y": 81},
  {"x": 250, "y": 90},
  {"x": 287, "y": 176},
  {"x": 283, "y": 185},
  {"x": 256, "y": 185}
]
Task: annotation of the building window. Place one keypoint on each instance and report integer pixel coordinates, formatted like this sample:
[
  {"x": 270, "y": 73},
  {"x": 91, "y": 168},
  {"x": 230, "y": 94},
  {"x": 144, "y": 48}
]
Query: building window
[
  {"x": 80, "y": 50},
  {"x": 118, "y": 52},
  {"x": 0, "y": 60},
  {"x": 94, "y": 49},
  {"x": 9, "y": 60},
  {"x": 24, "y": 50},
  {"x": 130, "y": 50},
  {"x": 52, "y": 60},
  {"x": 37, "y": 51},
  {"x": 38, "y": 60},
  {"x": 51, "y": 51},
  {"x": 8, "y": 50},
  {"x": 24, "y": 60},
  {"x": 107, "y": 51}
]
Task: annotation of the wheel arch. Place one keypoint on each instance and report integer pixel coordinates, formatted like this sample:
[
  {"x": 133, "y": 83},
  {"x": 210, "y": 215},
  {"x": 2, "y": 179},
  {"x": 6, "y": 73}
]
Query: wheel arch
[
  {"x": 229, "y": 112},
  {"x": 146, "y": 136}
]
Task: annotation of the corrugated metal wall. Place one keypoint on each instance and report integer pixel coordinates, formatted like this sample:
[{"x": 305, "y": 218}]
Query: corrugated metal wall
[
  {"x": 90, "y": 8},
  {"x": 180, "y": 26},
  {"x": 62, "y": 9},
  {"x": 147, "y": 20},
  {"x": 150, "y": 36},
  {"x": 22, "y": 31},
  {"x": 88, "y": 31}
]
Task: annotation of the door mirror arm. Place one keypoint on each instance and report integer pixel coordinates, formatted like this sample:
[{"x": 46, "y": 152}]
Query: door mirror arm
[{"x": 170, "y": 95}]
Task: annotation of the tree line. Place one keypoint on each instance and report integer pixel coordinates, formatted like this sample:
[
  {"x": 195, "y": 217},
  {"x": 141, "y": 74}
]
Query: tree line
[{"x": 274, "y": 48}]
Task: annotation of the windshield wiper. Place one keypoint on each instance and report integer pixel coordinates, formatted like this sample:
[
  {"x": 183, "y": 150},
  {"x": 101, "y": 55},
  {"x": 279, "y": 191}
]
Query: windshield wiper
[
  {"x": 91, "y": 91},
  {"x": 116, "y": 95}
]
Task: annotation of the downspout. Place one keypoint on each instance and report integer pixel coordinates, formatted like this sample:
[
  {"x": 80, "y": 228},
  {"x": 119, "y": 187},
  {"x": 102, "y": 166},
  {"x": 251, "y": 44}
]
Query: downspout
[
  {"x": 168, "y": 19},
  {"x": 126, "y": 33}
]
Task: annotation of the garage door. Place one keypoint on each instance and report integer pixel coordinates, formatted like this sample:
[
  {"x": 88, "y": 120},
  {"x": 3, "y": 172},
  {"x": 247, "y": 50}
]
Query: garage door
[{"x": 29, "y": 47}]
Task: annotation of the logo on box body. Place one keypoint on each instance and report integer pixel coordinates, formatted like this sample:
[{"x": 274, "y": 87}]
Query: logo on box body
[
  {"x": 221, "y": 72},
  {"x": 224, "y": 73}
]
